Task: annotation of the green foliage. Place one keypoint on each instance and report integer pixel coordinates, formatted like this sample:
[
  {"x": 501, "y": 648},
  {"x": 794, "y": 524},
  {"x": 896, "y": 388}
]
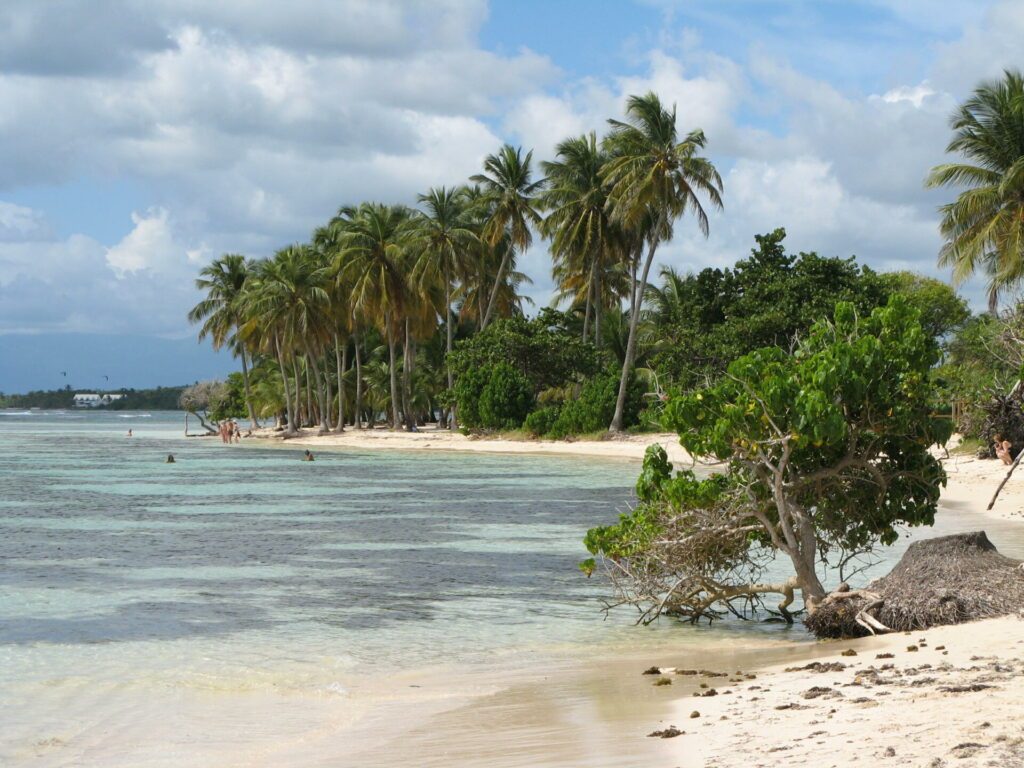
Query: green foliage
[
  {"x": 942, "y": 311},
  {"x": 467, "y": 393},
  {"x": 230, "y": 403},
  {"x": 541, "y": 421},
  {"x": 593, "y": 409},
  {"x": 505, "y": 399},
  {"x": 543, "y": 349},
  {"x": 830, "y": 443},
  {"x": 707, "y": 320}
]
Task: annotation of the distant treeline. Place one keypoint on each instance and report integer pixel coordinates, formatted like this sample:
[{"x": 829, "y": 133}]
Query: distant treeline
[{"x": 158, "y": 399}]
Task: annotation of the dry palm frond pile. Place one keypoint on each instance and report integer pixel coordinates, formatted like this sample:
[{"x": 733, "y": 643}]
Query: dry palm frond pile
[{"x": 946, "y": 580}]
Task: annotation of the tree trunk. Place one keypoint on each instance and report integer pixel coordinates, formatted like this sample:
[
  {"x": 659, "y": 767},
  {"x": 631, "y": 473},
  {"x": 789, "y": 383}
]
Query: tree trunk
[
  {"x": 357, "y": 417},
  {"x": 248, "y": 392},
  {"x": 322, "y": 406},
  {"x": 310, "y": 418},
  {"x": 497, "y": 285},
  {"x": 396, "y": 422},
  {"x": 597, "y": 309},
  {"x": 452, "y": 419},
  {"x": 289, "y": 410},
  {"x": 340, "y": 359},
  {"x": 636, "y": 302},
  {"x": 407, "y": 363},
  {"x": 586, "y": 314}
]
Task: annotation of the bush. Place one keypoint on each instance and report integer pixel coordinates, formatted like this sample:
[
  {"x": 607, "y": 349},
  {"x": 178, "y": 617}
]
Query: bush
[
  {"x": 467, "y": 395},
  {"x": 506, "y": 399},
  {"x": 592, "y": 411},
  {"x": 541, "y": 421}
]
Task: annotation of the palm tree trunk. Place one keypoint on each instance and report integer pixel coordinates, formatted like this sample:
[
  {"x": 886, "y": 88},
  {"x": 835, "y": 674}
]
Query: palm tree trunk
[
  {"x": 396, "y": 422},
  {"x": 586, "y": 314},
  {"x": 309, "y": 421},
  {"x": 597, "y": 310},
  {"x": 452, "y": 419},
  {"x": 300, "y": 415},
  {"x": 636, "y": 302},
  {"x": 340, "y": 360},
  {"x": 497, "y": 285},
  {"x": 322, "y": 406},
  {"x": 407, "y": 364},
  {"x": 357, "y": 417},
  {"x": 289, "y": 410},
  {"x": 248, "y": 392}
]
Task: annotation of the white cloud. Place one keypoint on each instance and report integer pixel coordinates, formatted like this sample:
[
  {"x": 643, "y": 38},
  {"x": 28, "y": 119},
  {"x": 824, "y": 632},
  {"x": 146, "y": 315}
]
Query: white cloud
[
  {"x": 914, "y": 94},
  {"x": 149, "y": 246}
]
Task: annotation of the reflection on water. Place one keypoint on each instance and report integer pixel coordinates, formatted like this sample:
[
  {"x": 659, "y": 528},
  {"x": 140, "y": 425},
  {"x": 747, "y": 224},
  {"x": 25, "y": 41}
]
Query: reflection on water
[{"x": 227, "y": 608}]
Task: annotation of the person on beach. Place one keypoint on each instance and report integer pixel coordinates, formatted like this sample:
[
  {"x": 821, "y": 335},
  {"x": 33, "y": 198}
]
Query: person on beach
[
  {"x": 307, "y": 456},
  {"x": 237, "y": 433},
  {"x": 129, "y": 433},
  {"x": 170, "y": 459},
  {"x": 1002, "y": 448}
]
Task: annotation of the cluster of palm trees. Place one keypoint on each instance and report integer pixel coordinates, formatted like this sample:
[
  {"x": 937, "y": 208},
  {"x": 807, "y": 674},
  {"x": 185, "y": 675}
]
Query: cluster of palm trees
[
  {"x": 357, "y": 323},
  {"x": 984, "y": 226}
]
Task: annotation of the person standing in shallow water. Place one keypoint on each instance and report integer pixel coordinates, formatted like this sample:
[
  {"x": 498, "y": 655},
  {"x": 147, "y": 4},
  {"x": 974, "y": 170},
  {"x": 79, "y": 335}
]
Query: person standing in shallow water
[
  {"x": 170, "y": 459},
  {"x": 307, "y": 456}
]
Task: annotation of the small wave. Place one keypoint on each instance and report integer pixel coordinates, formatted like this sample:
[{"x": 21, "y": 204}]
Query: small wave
[
  {"x": 16, "y": 413},
  {"x": 135, "y": 416},
  {"x": 336, "y": 688}
]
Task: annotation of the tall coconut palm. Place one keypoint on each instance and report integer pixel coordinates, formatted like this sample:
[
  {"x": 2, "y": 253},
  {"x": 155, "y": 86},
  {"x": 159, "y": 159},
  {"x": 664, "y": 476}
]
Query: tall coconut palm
[
  {"x": 445, "y": 243},
  {"x": 223, "y": 280},
  {"x": 509, "y": 191},
  {"x": 293, "y": 299},
  {"x": 653, "y": 178},
  {"x": 372, "y": 259},
  {"x": 984, "y": 226},
  {"x": 584, "y": 240}
]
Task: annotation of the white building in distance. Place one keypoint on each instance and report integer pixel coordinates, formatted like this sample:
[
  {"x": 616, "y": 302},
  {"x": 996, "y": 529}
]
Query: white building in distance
[{"x": 93, "y": 400}]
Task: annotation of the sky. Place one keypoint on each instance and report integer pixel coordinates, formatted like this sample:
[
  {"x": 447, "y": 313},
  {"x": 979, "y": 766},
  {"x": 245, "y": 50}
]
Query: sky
[{"x": 139, "y": 139}]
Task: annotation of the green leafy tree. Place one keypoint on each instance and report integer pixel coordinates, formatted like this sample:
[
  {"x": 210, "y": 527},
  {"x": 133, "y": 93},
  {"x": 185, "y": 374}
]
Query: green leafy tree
[
  {"x": 505, "y": 399},
  {"x": 984, "y": 226},
  {"x": 942, "y": 311},
  {"x": 826, "y": 453}
]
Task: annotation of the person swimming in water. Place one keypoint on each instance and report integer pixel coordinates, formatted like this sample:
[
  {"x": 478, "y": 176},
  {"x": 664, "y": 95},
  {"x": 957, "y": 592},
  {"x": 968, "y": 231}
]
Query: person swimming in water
[
  {"x": 307, "y": 456},
  {"x": 170, "y": 459}
]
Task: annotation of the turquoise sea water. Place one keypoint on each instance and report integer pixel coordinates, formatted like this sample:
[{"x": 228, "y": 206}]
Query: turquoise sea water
[
  {"x": 244, "y": 569},
  {"x": 212, "y": 611}
]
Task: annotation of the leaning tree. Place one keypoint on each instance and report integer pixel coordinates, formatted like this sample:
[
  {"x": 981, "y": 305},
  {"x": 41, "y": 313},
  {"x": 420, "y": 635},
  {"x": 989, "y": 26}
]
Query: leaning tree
[{"x": 823, "y": 454}]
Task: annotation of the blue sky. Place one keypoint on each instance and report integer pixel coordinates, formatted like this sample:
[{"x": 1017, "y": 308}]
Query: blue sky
[{"x": 142, "y": 138}]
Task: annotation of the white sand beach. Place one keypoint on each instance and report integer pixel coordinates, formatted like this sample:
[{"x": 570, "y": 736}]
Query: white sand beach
[{"x": 946, "y": 696}]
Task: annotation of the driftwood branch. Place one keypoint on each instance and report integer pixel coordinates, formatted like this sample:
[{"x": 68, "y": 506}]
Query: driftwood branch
[{"x": 1005, "y": 479}]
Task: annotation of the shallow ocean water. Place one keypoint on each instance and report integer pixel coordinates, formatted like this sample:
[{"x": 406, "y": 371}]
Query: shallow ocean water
[{"x": 226, "y": 608}]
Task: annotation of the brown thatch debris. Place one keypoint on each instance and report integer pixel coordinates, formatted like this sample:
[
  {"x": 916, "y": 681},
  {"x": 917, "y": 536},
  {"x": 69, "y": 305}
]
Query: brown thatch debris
[
  {"x": 663, "y": 681},
  {"x": 818, "y": 666},
  {"x": 818, "y": 691},
  {"x": 945, "y": 580},
  {"x": 694, "y": 714},
  {"x": 669, "y": 733},
  {"x": 652, "y": 671},
  {"x": 972, "y": 688},
  {"x": 848, "y": 652},
  {"x": 885, "y": 655},
  {"x": 912, "y": 648},
  {"x": 686, "y": 671}
]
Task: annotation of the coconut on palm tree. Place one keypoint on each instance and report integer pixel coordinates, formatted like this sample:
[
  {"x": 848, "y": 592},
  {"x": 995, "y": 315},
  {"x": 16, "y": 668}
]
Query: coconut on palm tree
[
  {"x": 984, "y": 226},
  {"x": 653, "y": 178}
]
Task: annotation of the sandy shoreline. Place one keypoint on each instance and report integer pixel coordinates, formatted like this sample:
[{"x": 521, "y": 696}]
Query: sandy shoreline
[
  {"x": 958, "y": 699},
  {"x": 430, "y": 439}
]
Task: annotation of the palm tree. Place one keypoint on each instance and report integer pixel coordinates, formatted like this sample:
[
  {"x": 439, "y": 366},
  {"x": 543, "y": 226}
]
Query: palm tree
[
  {"x": 220, "y": 312},
  {"x": 445, "y": 243},
  {"x": 372, "y": 259},
  {"x": 292, "y": 299},
  {"x": 584, "y": 241},
  {"x": 509, "y": 191},
  {"x": 653, "y": 179},
  {"x": 984, "y": 226}
]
